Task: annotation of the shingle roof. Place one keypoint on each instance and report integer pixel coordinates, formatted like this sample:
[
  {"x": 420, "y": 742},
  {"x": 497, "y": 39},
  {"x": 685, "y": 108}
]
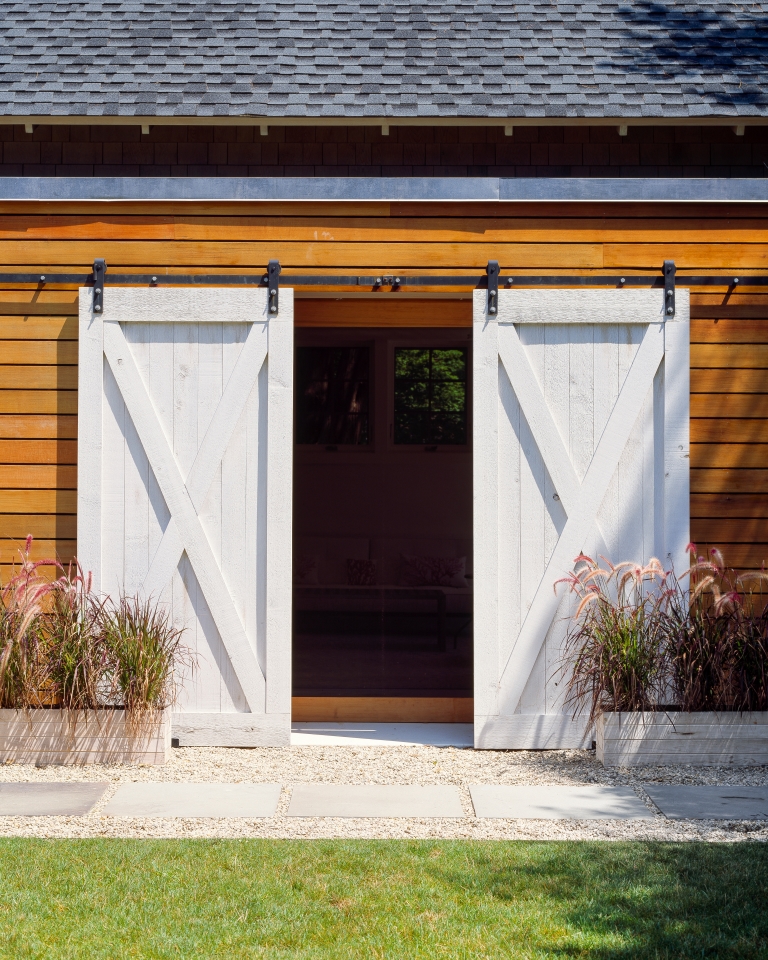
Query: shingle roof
[{"x": 287, "y": 58}]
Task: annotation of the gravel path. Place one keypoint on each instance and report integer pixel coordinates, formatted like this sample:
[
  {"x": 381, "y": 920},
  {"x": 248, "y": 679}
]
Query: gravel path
[{"x": 404, "y": 765}]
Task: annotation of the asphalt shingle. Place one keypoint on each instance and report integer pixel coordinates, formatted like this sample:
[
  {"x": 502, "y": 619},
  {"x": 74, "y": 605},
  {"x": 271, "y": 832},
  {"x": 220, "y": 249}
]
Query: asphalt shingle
[{"x": 355, "y": 59}]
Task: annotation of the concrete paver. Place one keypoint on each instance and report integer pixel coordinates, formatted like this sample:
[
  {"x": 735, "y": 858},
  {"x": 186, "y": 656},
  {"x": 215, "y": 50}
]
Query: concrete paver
[
  {"x": 374, "y": 800},
  {"x": 504, "y": 801},
  {"x": 688, "y": 802},
  {"x": 194, "y": 800},
  {"x": 49, "y": 799}
]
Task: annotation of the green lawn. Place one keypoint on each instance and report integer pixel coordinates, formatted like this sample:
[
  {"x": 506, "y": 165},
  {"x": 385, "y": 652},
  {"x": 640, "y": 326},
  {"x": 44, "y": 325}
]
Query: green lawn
[{"x": 394, "y": 899}]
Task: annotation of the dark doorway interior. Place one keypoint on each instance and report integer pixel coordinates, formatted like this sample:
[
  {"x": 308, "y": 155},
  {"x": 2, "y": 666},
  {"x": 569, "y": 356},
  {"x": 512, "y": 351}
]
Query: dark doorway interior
[{"x": 382, "y": 514}]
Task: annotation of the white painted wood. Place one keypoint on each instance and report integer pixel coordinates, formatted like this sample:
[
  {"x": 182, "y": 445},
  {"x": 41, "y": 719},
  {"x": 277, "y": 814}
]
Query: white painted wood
[
  {"x": 582, "y": 306},
  {"x": 571, "y": 427},
  {"x": 485, "y": 442},
  {"x": 73, "y": 737},
  {"x": 89, "y": 433},
  {"x": 232, "y": 729},
  {"x": 136, "y": 478},
  {"x": 185, "y": 305},
  {"x": 582, "y": 517},
  {"x": 111, "y": 483},
  {"x": 634, "y": 739},
  {"x": 211, "y": 450},
  {"x": 530, "y": 732},
  {"x": 196, "y": 544},
  {"x": 197, "y": 406}
]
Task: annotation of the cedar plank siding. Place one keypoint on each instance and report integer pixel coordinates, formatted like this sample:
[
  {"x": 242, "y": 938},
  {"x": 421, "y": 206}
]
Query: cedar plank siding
[{"x": 729, "y": 329}]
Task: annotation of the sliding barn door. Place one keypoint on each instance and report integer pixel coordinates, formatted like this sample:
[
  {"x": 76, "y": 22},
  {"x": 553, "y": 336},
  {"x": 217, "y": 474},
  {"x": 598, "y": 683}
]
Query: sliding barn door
[
  {"x": 580, "y": 444},
  {"x": 184, "y": 488}
]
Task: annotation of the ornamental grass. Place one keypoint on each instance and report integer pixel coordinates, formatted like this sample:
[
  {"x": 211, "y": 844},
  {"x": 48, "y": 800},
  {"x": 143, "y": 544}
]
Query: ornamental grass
[
  {"x": 717, "y": 646},
  {"x": 24, "y": 655},
  {"x": 63, "y": 646},
  {"x": 614, "y": 651},
  {"x": 643, "y": 638}
]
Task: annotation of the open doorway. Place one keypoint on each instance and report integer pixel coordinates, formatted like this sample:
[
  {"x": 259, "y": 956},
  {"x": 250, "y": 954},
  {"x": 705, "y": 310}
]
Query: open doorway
[{"x": 382, "y": 619}]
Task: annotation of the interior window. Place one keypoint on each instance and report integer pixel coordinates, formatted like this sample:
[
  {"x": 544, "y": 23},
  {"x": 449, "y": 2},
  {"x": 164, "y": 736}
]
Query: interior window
[
  {"x": 332, "y": 395},
  {"x": 430, "y": 396}
]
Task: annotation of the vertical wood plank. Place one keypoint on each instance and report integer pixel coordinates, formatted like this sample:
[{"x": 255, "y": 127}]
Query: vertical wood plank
[
  {"x": 535, "y": 525},
  {"x": 161, "y": 393},
  {"x": 485, "y": 433},
  {"x": 569, "y": 389},
  {"x": 256, "y": 514},
  {"x": 510, "y": 565},
  {"x": 229, "y": 488},
  {"x": 136, "y": 484},
  {"x": 210, "y": 378},
  {"x": 112, "y": 484},
  {"x": 606, "y": 391},
  {"x": 185, "y": 444},
  {"x": 630, "y": 470}
]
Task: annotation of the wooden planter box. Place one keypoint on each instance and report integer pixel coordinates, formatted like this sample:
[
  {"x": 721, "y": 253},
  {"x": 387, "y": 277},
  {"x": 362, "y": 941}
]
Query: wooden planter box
[
  {"x": 73, "y": 737},
  {"x": 706, "y": 739}
]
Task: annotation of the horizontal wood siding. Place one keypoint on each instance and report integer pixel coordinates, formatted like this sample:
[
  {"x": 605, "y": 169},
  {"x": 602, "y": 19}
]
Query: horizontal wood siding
[
  {"x": 38, "y": 325},
  {"x": 38, "y": 426}
]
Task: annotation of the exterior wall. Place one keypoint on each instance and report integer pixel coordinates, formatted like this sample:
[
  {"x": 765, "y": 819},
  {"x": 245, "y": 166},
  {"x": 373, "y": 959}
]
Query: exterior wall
[
  {"x": 429, "y": 151},
  {"x": 729, "y": 353}
]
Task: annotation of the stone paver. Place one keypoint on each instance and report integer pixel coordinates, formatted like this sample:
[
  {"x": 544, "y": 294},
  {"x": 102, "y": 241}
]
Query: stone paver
[
  {"x": 504, "y": 801},
  {"x": 49, "y": 799},
  {"x": 686, "y": 802},
  {"x": 194, "y": 800},
  {"x": 374, "y": 800}
]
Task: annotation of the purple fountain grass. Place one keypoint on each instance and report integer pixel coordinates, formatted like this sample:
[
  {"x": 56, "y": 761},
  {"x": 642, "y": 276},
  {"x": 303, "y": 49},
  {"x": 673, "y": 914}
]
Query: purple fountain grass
[
  {"x": 613, "y": 656},
  {"x": 24, "y": 664},
  {"x": 717, "y": 648},
  {"x": 643, "y": 638}
]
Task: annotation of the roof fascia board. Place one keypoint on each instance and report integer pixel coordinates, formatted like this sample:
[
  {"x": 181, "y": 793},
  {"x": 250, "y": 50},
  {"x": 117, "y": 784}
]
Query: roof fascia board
[
  {"x": 421, "y": 189},
  {"x": 390, "y": 121}
]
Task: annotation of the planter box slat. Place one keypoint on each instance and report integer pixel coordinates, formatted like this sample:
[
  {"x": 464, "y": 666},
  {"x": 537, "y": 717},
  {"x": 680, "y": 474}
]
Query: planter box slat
[
  {"x": 55, "y": 737},
  {"x": 691, "y": 750},
  {"x": 634, "y": 739},
  {"x": 691, "y": 736}
]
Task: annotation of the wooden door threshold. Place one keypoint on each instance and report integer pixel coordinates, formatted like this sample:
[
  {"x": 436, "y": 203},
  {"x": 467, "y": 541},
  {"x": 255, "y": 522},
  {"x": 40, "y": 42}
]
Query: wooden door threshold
[{"x": 383, "y": 709}]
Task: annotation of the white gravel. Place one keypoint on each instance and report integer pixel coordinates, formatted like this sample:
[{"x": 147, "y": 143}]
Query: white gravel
[{"x": 400, "y": 765}]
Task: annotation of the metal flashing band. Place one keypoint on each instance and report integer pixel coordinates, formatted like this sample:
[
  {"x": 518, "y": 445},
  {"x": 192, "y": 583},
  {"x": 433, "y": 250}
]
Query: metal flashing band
[{"x": 383, "y": 189}]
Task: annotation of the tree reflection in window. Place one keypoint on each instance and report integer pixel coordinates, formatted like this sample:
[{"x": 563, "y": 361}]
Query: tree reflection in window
[
  {"x": 430, "y": 396},
  {"x": 332, "y": 391}
]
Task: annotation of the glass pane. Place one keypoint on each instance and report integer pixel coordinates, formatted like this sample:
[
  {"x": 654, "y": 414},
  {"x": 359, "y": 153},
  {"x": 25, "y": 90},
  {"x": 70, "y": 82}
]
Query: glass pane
[
  {"x": 413, "y": 364},
  {"x": 410, "y": 426},
  {"x": 412, "y": 395},
  {"x": 449, "y": 397},
  {"x": 430, "y": 396},
  {"x": 332, "y": 395},
  {"x": 447, "y": 428},
  {"x": 449, "y": 364}
]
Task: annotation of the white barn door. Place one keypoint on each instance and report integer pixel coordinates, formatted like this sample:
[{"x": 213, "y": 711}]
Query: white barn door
[
  {"x": 184, "y": 488},
  {"x": 581, "y": 405}
]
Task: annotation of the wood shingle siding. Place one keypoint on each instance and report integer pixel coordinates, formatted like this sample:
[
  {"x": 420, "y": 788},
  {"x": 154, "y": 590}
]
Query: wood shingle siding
[{"x": 729, "y": 330}]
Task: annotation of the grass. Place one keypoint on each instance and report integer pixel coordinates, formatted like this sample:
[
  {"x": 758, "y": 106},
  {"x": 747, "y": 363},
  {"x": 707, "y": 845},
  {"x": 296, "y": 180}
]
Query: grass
[{"x": 395, "y": 899}]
